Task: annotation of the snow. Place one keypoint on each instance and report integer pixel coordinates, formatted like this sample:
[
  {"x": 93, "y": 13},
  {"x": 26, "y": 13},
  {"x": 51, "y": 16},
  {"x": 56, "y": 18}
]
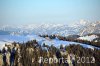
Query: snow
[
  {"x": 81, "y": 27},
  {"x": 40, "y": 40},
  {"x": 39, "y": 29},
  {"x": 89, "y": 38},
  {"x": 2, "y": 44}
]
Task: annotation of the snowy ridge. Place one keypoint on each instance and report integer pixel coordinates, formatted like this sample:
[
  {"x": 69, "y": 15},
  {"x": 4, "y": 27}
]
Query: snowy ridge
[
  {"x": 91, "y": 28},
  {"x": 88, "y": 38},
  {"x": 81, "y": 28},
  {"x": 40, "y": 40},
  {"x": 40, "y": 29}
]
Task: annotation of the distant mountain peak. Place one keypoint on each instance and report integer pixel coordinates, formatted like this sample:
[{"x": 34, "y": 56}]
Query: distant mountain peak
[
  {"x": 91, "y": 28},
  {"x": 80, "y": 28}
]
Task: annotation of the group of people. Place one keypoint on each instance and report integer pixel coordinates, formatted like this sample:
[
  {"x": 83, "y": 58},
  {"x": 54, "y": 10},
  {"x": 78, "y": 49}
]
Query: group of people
[{"x": 8, "y": 56}]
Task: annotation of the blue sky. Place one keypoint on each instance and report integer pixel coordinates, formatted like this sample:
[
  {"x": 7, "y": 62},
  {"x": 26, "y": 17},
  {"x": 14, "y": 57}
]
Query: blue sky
[{"x": 48, "y": 11}]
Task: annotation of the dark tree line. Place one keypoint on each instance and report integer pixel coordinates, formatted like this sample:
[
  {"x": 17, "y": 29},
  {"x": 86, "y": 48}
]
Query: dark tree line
[{"x": 93, "y": 43}]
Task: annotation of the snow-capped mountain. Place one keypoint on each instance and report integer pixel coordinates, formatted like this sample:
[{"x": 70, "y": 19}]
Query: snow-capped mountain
[
  {"x": 60, "y": 29},
  {"x": 29, "y": 32},
  {"x": 81, "y": 28},
  {"x": 91, "y": 28}
]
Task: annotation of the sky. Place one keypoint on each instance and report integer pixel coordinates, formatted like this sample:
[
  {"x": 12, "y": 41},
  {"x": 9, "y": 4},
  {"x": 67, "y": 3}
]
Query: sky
[{"x": 21, "y": 12}]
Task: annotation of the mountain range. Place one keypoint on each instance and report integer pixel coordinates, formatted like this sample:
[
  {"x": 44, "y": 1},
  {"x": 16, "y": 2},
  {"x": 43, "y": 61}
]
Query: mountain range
[{"x": 81, "y": 28}]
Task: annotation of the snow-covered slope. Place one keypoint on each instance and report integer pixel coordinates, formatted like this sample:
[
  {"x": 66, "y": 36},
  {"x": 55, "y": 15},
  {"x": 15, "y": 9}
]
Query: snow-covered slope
[
  {"x": 56, "y": 42},
  {"x": 2, "y": 44},
  {"x": 88, "y": 38}
]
